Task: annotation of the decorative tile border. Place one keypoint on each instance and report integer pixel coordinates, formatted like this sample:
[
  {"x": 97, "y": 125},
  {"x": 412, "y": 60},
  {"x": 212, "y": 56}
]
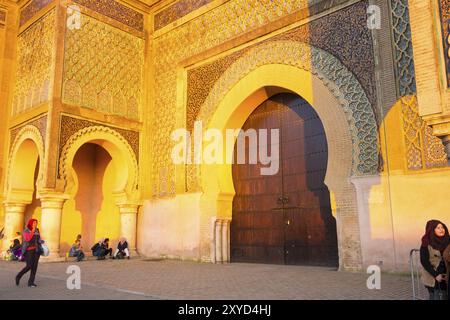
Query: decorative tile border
[
  {"x": 403, "y": 49},
  {"x": 177, "y": 11},
  {"x": 31, "y": 9},
  {"x": 116, "y": 11},
  {"x": 444, "y": 8}
]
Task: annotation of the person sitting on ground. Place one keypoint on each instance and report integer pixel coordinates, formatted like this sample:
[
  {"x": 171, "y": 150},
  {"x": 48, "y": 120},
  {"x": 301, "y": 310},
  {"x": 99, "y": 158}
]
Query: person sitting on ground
[
  {"x": 97, "y": 250},
  {"x": 106, "y": 247},
  {"x": 15, "y": 250},
  {"x": 434, "y": 273},
  {"x": 122, "y": 249},
  {"x": 76, "y": 250}
]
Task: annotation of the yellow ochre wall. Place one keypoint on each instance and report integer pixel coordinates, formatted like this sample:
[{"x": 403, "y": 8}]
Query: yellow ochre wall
[{"x": 395, "y": 207}]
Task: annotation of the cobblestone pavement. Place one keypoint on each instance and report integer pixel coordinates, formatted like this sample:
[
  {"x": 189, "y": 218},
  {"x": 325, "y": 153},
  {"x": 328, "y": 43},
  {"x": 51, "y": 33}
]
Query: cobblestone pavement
[{"x": 165, "y": 279}]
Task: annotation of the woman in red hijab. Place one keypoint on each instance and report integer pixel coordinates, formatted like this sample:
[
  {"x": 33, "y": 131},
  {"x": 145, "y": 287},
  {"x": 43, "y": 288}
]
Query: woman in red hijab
[
  {"x": 434, "y": 275},
  {"x": 31, "y": 250}
]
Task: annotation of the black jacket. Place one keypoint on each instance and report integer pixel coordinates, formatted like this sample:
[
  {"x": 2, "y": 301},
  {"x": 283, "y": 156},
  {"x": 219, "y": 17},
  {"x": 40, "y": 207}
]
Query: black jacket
[{"x": 123, "y": 246}]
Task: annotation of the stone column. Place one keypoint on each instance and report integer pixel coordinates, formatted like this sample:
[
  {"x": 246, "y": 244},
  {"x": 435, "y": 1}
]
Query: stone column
[
  {"x": 50, "y": 224},
  {"x": 218, "y": 236},
  {"x": 226, "y": 240},
  {"x": 14, "y": 221},
  {"x": 128, "y": 225}
]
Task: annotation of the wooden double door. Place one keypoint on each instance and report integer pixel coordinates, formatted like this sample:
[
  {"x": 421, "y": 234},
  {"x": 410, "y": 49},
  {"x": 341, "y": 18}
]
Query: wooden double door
[{"x": 285, "y": 218}]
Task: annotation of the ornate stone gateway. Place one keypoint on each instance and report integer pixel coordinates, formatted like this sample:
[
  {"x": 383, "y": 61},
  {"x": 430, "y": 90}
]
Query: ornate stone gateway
[
  {"x": 285, "y": 218},
  {"x": 90, "y": 80}
]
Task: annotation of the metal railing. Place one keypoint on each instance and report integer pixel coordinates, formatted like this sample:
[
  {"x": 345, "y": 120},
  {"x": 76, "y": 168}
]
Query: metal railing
[{"x": 418, "y": 289}]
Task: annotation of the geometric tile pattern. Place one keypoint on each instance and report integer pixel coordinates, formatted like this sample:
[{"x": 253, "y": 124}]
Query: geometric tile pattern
[
  {"x": 35, "y": 65},
  {"x": 103, "y": 69}
]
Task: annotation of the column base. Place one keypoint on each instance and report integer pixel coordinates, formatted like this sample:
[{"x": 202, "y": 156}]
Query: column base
[{"x": 134, "y": 253}]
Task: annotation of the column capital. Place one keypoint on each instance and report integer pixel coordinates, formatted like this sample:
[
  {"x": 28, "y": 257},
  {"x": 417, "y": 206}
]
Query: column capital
[
  {"x": 128, "y": 208},
  {"x": 51, "y": 199},
  {"x": 14, "y": 203}
]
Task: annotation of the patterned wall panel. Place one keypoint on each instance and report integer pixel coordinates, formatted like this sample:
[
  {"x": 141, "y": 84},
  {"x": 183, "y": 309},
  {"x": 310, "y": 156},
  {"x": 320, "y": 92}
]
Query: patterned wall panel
[
  {"x": 103, "y": 69},
  {"x": 177, "y": 11},
  {"x": 31, "y": 9},
  {"x": 423, "y": 150},
  {"x": 116, "y": 11},
  {"x": 35, "y": 65},
  {"x": 444, "y": 8},
  {"x": 70, "y": 125}
]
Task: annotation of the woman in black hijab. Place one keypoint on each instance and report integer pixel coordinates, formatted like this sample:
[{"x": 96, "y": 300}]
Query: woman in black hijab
[{"x": 434, "y": 275}]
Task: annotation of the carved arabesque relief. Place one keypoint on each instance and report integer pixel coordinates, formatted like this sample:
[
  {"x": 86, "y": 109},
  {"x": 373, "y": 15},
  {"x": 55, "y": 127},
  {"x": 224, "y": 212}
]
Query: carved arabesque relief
[
  {"x": 176, "y": 11},
  {"x": 117, "y": 11},
  {"x": 31, "y": 9}
]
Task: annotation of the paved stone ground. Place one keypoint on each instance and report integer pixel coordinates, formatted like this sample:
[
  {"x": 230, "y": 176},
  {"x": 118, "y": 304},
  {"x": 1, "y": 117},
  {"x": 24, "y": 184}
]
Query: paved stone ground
[{"x": 150, "y": 279}]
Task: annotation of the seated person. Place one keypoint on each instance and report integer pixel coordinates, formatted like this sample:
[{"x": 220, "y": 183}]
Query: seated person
[
  {"x": 122, "y": 249},
  {"x": 76, "y": 250},
  {"x": 15, "y": 250},
  {"x": 101, "y": 249},
  {"x": 108, "y": 250}
]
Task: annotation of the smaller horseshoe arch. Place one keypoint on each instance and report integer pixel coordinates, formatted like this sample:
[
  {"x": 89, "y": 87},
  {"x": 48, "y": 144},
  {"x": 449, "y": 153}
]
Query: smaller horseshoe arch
[
  {"x": 26, "y": 152},
  {"x": 115, "y": 145}
]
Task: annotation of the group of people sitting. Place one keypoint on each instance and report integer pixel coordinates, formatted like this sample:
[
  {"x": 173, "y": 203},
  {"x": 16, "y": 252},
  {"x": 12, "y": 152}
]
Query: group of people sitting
[{"x": 101, "y": 249}]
